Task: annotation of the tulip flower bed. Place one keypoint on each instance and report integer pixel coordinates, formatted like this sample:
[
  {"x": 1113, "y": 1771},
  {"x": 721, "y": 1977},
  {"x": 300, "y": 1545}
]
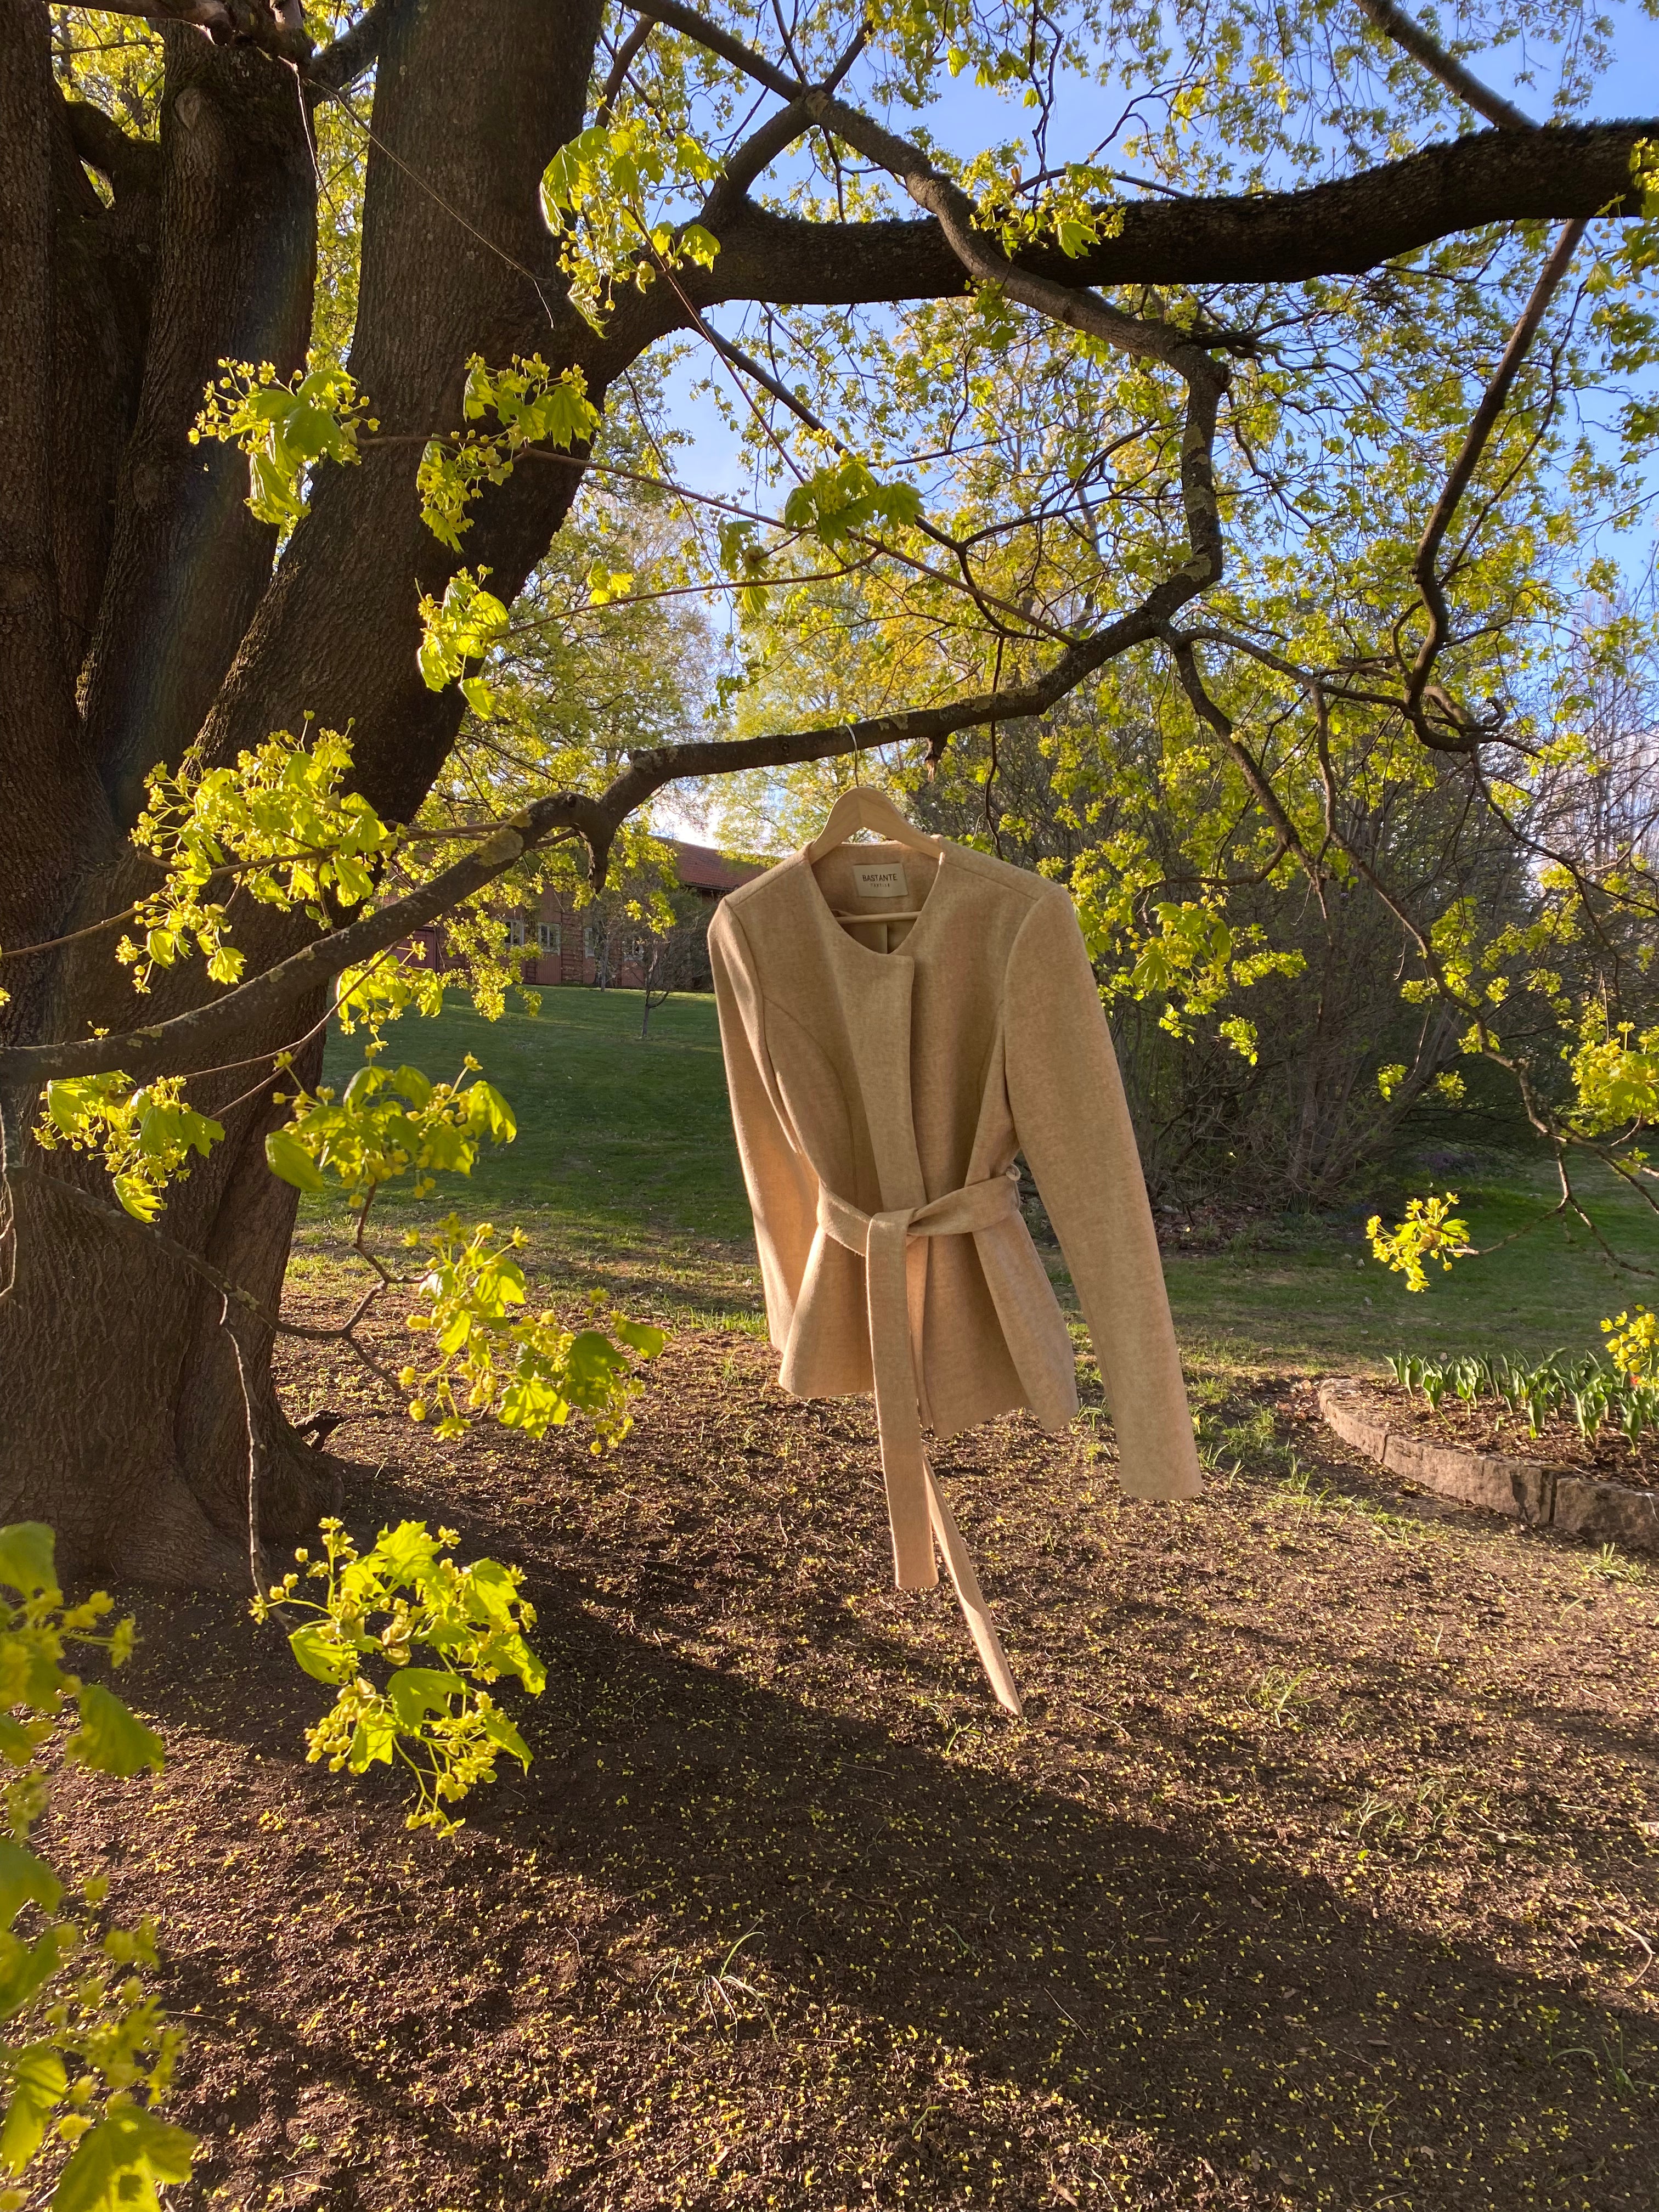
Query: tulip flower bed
[{"x": 1573, "y": 1410}]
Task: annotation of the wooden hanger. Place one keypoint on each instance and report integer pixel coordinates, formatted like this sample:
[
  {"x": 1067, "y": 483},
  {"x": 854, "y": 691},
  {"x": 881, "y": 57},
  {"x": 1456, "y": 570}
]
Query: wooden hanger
[{"x": 864, "y": 807}]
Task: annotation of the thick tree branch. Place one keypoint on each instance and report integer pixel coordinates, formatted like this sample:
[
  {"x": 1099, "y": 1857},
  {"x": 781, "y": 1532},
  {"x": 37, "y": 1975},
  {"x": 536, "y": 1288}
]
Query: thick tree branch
[
  {"x": 276, "y": 26},
  {"x": 1342, "y": 229},
  {"x": 1078, "y": 308},
  {"x": 649, "y": 769},
  {"x": 1514, "y": 172},
  {"x": 693, "y": 26},
  {"x": 746, "y": 364},
  {"x": 626, "y": 54},
  {"x": 186, "y": 1041},
  {"x": 204, "y": 15},
  {"x": 130, "y": 164},
  {"x": 353, "y": 50},
  {"x": 745, "y": 162}
]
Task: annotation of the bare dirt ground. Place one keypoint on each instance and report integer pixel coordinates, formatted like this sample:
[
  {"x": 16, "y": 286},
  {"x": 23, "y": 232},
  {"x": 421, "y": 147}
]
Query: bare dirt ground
[{"x": 1324, "y": 1870}]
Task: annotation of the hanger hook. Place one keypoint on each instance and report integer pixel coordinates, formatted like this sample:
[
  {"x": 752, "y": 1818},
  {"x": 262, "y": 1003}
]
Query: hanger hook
[{"x": 858, "y": 752}]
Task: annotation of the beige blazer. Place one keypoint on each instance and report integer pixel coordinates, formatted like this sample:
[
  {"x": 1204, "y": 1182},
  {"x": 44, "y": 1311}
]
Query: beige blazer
[{"x": 883, "y": 1078}]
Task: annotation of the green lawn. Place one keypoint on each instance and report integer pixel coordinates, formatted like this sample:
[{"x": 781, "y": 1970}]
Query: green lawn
[
  {"x": 624, "y": 1173},
  {"x": 615, "y": 1133},
  {"x": 1322, "y": 1300}
]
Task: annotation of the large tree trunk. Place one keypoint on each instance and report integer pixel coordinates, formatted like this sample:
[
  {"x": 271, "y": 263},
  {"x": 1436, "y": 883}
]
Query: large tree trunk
[
  {"x": 129, "y": 569},
  {"x": 121, "y": 1419},
  {"x": 234, "y": 264}
]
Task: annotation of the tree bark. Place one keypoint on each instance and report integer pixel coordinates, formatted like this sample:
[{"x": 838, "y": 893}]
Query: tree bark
[
  {"x": 456, "y": 260},
  {"x": 104, "y": 263},
  {"x": 121, "y": 1415},
  {"x": 54, "y": 806},
  {"x": 1340, "y": 228},
  {"x": 236, "y": 256}
]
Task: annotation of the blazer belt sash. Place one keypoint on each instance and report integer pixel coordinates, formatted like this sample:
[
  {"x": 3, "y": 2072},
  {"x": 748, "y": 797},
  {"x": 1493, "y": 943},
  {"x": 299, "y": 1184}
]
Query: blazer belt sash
[{"x": 894, "y": 1255}]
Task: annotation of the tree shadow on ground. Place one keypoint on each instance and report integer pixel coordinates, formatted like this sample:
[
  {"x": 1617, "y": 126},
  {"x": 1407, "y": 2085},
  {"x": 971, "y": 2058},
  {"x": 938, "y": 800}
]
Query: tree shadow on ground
[{"x": 1206, "y": 2026}]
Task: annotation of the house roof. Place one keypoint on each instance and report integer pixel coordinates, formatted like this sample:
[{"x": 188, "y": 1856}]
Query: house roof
[{"x": 702, "y": 869}]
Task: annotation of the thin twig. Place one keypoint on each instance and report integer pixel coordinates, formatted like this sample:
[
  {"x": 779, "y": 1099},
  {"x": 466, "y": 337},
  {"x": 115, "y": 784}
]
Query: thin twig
[
  {"x": 11, "y": 1154},
  {"x": 1455, "y": 730},
  {"x": 1571, "y": 1198},
  {"x": 258, "y": 1456},
  {"x": 1267, "y": 798}
]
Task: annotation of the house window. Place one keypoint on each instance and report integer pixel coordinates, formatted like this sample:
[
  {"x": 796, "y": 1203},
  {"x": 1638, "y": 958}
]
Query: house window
[
  {"x": 547, "y": 936},
  {"x": 515, "y": 933}
]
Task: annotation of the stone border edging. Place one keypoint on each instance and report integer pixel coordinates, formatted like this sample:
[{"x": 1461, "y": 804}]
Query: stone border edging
[{"x": 1526, "y": 1489}]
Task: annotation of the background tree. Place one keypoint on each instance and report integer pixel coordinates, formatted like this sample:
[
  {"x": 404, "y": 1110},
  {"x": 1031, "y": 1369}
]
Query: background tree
[
  {"x": 670, "y": 954},
  {"x": 1222, "y": 359}
]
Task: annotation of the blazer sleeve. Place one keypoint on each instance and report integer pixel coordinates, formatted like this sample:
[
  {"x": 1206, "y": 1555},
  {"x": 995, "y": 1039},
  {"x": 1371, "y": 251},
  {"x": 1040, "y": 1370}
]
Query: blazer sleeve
[
  {"x": 783, "y": 1190},
  {"x": 1072, "y": 1124}
]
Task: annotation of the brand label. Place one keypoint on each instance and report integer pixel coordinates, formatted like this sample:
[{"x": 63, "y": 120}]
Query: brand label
[{"x": 879, "y": 878}]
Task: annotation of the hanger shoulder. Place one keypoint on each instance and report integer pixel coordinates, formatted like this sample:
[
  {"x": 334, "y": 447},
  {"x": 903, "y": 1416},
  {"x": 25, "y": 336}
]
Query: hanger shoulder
[
  {"x": 864, "y": 808},
  {"x": 842, "y": 819}
]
